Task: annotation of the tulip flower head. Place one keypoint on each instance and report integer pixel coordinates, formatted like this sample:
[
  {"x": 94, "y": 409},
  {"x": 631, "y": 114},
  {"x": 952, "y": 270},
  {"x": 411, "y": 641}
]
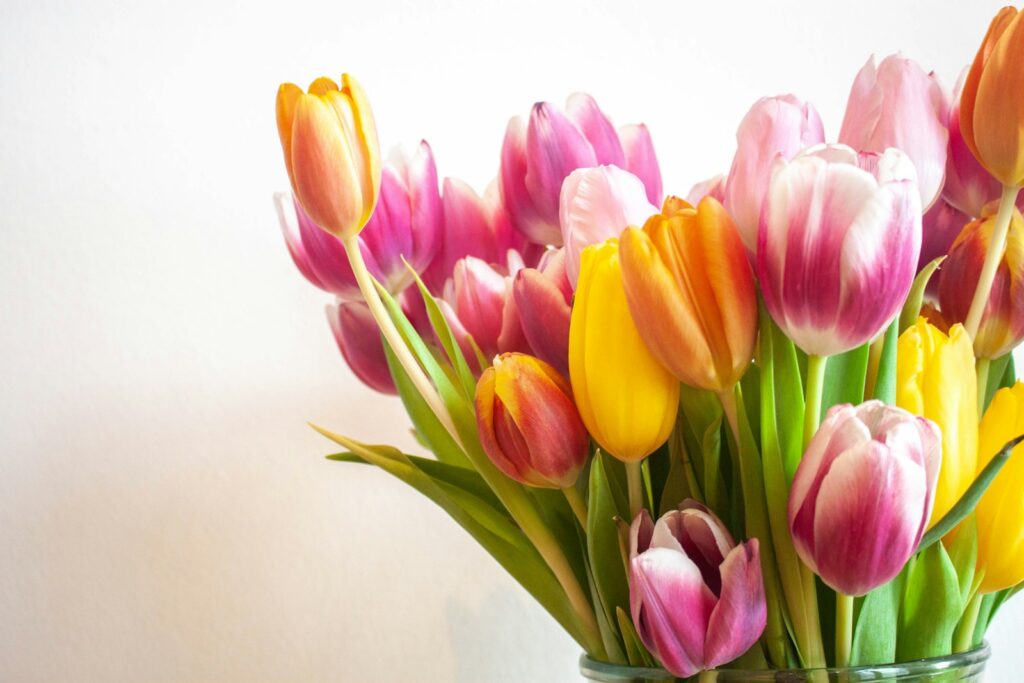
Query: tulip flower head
[
  {"x": 329, "y": 140},
  {"x": 862, "y": 495},
  {"x": 543, "y": 299},
  {"x": 528, "y": 423},
  {"x": 691, "y": 292},
  {"x": 696, "y": 597},
  {"x": 358, "y": 338},
  {"x": 838, "y": 245},
  {"x": 480, "y": 294}
]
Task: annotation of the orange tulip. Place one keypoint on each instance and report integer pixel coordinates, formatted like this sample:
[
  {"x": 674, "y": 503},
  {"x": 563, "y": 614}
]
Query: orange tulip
[
  {"x": 330, "y": 149},
  {"x": 691, "y": 292},
  {"x": 992, "y": 102}
]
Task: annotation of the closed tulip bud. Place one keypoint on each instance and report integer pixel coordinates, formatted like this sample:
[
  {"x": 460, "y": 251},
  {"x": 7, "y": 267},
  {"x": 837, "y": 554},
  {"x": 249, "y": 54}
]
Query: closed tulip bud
[
  {"x": 696, "y": 597},
  {"x": 862, "y": 494},
  {"x": 359, "y": 341},
  {"x": 627, "y": 400},
  {"x": 838, "y": 245},
  {"x": 543, "y": 298},
  {"x": 597, "y": 204},
  {"x": 1002, "y": 321},
  {"x": 1000, "y": 512},
  {"x": 536, "y": 157},
  {"x": 896, "y": 104},
  {"x": 481, "y": 297},
  {"x": 528, "y": 424},
  {"x": 992, "y": 103},
  {"x": 774, "y": 126},
  {"x": 935, "y": 379},
  {"x": 330, "y": 148},
  {"x": 691, "y": 292}
]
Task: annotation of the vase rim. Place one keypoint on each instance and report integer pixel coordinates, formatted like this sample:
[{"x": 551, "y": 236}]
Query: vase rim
[{"x": 977, "y": 656}]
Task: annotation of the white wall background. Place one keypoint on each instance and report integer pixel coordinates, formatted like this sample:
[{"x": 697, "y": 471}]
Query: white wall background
[{"x": 165, "y": 513}]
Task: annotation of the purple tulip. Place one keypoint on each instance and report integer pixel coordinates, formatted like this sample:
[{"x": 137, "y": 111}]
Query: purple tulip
[
  {"x": 838, "y": 243},
  {"x": 696, "y": 597},
  {"x": 360, "y": 343},
  {"x": 863, "y": 494}
]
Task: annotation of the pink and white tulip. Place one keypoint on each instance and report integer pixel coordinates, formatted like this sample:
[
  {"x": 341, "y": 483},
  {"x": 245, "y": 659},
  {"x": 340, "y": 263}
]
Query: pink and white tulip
[
  {"x": 838, "y": 244},
  {"x": 359, "y": 340},
  {"x": 696, "y": 597},
  {"x": 543, "y": 298},
  {"x": 774, "y": 125},
  {"x": 896, "y": 104},
  {"x": 863, "y": 493},
  {"x": 596, "y": 204},
  {"x": 537, "y": 156}
]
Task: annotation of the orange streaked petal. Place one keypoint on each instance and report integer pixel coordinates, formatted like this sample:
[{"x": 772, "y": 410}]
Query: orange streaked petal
[
  {"x": 366, "y": 136},
  {"x": 969, "y": 92},
  {"x": 322, "y": 86},
  {"x": 287, "y": 95},
  {"x": 999, "y": 107}
]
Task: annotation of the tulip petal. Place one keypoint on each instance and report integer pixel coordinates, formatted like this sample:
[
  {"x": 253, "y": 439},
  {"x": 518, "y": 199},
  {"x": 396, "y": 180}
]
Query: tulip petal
[
  {"x": 554, "y": 149},
  {"x": 596, "y": 128},
  {"x": 741, "y": 613},
  {"x": 359, "y": 341},
  {"x": 641, "y": 160},
  {"x": 544, "y": 314}
]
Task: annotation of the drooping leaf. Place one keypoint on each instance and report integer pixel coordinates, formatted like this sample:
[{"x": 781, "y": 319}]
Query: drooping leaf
[
  {"x": 931, "y": 606},
  {"x": 912, "y": 307}
]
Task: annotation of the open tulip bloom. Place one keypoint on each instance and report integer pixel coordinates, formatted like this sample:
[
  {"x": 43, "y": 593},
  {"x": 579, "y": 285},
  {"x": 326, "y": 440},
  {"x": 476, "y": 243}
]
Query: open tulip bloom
[{"x": 697, "y": 431}]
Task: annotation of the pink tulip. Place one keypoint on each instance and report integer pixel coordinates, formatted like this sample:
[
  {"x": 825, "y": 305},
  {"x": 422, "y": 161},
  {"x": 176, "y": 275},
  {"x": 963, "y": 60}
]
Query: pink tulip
[
  {"x": 863, "y": 493},
  {"x": 773, "y": 126},
  {"x": 713, "y": 187},
  {"x": 480, "y": 295},
  {"x": 406, "y": 224},
  {"x": 543, "y": 298},
  {"x": 896, "y": 104},
  {"x": 696, "y": 597},
  {"x": 641, "y": 160},
  {"x": 939, "y": 227},
  {"x": 360, "y": 343},
  {"x": 838, "y": 244},
  {"x": 598, "y": 203},
  {"x": 969, "y": 187},
  {"x": 537, "y": 156}
]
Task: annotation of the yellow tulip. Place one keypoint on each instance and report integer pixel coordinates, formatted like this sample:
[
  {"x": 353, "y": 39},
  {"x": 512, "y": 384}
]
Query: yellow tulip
[
  {"x": 330, "y": 149},
  {"x": 627, "y": 400},
  {"x": 1000, "y": 513},
  {"x": 935, "y": 378}
]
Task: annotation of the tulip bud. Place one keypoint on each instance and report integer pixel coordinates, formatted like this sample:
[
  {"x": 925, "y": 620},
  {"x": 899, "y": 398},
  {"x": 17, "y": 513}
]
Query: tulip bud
[
  {"x": 935, "y": 379},
  {"x": 358, "y": 338},
  {"x": 480, "y": 295},
  {"x": 968, "y": 187},
  {"x": 896, "y": 104},
  {"x": 992, "y": 103},
  {"x": 627, "y": 400},
  {"x": 543, "y": 298},
  {"x": 1002, "y": 321},
  {"x": 691, "y": 292},
  {"x": 330, "y": 148},
  {"x": 528, "y": 424},
  {"x": 838, "y": 245},
  {"x": 597, "y": 204},
  {"x": 1000, "y": 512},
  {"x": 862, "y": 495},
  {"x": 696, "y": 597},
  {"x": 774, "y": 126}
]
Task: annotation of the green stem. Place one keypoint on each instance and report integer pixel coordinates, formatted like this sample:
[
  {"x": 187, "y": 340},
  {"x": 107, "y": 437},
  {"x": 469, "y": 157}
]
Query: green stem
[
  {"x": 982, "y": 367},
  {"x": 993, "y": 256},
  {"x": 578, "y": 505},
  {"x": 844, "y": 629},
  {"x": 635, "y": 480},
  {"x": 963, "y": 638},
  {"x": 812, "y": 404},
  {"x": 874, "y": 361}
]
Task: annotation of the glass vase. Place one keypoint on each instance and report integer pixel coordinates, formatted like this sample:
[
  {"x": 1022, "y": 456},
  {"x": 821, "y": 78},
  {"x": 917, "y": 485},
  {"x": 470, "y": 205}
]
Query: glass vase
[{"x": 967, "y": 667}]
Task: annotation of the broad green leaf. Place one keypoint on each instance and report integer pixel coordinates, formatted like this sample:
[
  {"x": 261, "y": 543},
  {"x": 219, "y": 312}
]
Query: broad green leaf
[
  {"x": 912, "y": 308},
  {"x": 931, "y": 606},
  {"x": 998, "y": 377},
  {"x": 613, "y": 648},
  {"x": 789, "y": 397},
  {"x": 963, "y": 553},
  {"x": 874, "y": 635},
  {"x": 885, "y": 376},
  {"x": 635, "y": 650},
  {"x": 603, "y": 542},
  {"x": 844, "y": 378}
]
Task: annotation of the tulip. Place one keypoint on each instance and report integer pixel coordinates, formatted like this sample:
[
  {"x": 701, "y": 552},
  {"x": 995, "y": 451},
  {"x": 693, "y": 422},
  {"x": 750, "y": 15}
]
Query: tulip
[
  {"x": 774, "y": 126},
  {"x": 330, "y": 149},
  {"x": 711, "y": 187},
  {"x": 359, "y": 341},
  {"x": 536, "y": 158},
  {"x": 935, "y": 379},
  {"x": 543, "y": 299},
  {"x": 1002, "y": 320},
  {"x": 641, "y": 160},
  {"x": 838, "y": 245},
  {"x": 939, "y": 227},
  {"x": 691, "y": 292},
  {"x": 528, "y": 423},
  {"x": 597, "y": 204},
  {"x": 863, "y": 493},
  {"x": 627, "y": 400},
  {"x": 696, "y": 597},
  {"x": 1000, "y": 512},
  {"x": 896, "y": 104},
  {"x": 968, "y": 187},
  {"x": 480, "y": 295},
  {"x": 992, "y": 103}
]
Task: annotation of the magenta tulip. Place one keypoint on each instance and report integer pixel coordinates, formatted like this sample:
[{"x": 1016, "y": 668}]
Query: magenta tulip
[
  {"x": 773, "y": 126},
  {"x": 696, "y": 597},
  {"x": 896, "y": 104},
  {"x": 359, "y": 340},
  {"x": 863, "y": 493},
  {"x": 480, "y": 295},
  {"x": 597, "y": 204},
  {"x": 543, "y": 298},
  {"x": 939, "y": 227},
  {"x": 838, "y": 244}
]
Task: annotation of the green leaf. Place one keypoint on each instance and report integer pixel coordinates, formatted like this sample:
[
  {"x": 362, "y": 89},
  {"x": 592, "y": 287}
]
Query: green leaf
[
  {"x": 446, "y": 337},
  {"x": 972, "y": 495},
  {"x": 885, "y": 377},
  {"x": 931, "y": 606},
  {"x": 963, "y": 553},
  {"x": 844, "y": 378},
  {"x": 912, "y": 308},
  {"x": 606, "y": 560},
  {"x": 874, "y": 636},
  {"x": 997, "y": 376},
  {"x": 635, "y": 650},
  {"x": 789, "y": 394},
  {"x": 711, "y": 456}
]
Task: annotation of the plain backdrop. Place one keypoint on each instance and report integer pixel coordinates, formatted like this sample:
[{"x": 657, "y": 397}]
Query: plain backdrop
[{"x": 165, "y": 512}]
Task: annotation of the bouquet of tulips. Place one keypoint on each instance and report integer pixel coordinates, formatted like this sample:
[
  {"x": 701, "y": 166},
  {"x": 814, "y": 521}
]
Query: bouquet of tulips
[{"x": 766, "y": 426}]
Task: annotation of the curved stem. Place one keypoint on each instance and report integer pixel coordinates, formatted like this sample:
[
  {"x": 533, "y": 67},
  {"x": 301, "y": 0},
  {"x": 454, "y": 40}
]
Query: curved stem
[
  {"x": 578, "y": 505},
  {"x": 634, "y": 478},
  {"x": 992, "y": 258},
  {"x": 963, "y": 637},
  {"x": 844, "y": 629},
  {"x": 812, "y": 404}
]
